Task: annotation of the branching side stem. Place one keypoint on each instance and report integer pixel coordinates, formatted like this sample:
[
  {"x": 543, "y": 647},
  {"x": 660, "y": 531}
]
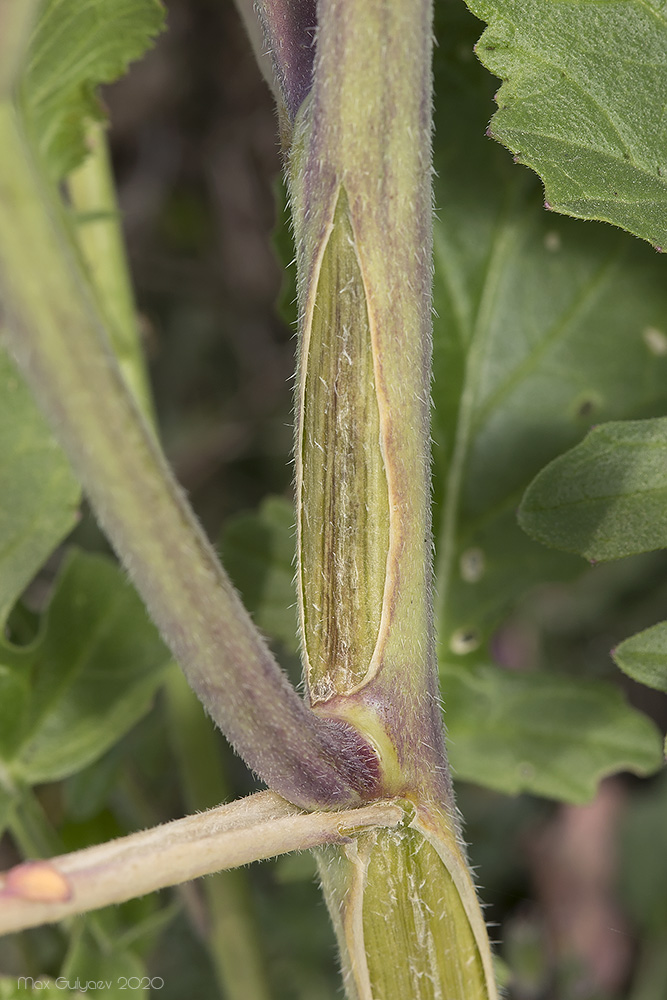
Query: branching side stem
[
  {"x": 55, "y": 332},
  {"x": 252, "y": 829}
]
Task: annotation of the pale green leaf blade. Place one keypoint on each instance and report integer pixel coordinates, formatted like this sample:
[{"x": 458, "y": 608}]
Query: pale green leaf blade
[
  {"x": 547, "y": 734},
  {"x": 77, "y": 45},
  {"x": 90, "y": 675},
  {"x": 544, "y": 327},
  {"x": 39, "y": 496},
  {"x": 606, "y": 498},
  {"x": 583, "y": 103},
  {"x": 644, "y": 656},
  {"x": 258, "y": 552},
  {"x": 113, "y": 970}
]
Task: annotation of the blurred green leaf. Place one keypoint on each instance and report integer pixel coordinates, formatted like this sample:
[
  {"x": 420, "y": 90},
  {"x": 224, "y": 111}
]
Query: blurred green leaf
[
  {"x": 86, "y": 792},
  {"x": 88, "y": 677},
  {"x": 606, "y": 498},
  {"x": 579, "y": 103},
  {"x": 545, "y": 326},
  {"x": 105, "y": 964},
  {"x": 546, "y": 734},
  {"x": 77, "y": 45},
  {"x": 644, "y": 656},
  {"x": 184, "y": 963},
  {"x": 258, "y": 553},
  {"x": 15, "y": 988},
  {"x": 39, "y": 493}
]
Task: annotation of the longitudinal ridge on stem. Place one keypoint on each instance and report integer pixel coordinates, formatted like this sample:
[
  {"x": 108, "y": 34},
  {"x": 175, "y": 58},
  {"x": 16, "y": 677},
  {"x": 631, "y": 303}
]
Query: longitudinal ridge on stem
[
  {"x": 360, "y": 190},
  {"x": 359, "y": 173}
]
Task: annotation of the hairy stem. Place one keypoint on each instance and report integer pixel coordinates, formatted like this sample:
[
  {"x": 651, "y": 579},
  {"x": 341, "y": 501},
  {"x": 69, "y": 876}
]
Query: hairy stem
[
  {"x": 231, "y": 935},
  {"x": 54, "y": 330},
  {"x": 359, "y": 174},
  {"x": 252, "y": 829},
  {"x": 403, "y": 903}
]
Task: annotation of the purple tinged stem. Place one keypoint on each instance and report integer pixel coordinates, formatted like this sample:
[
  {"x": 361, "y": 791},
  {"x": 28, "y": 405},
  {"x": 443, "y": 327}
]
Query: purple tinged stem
[
  {"x": 54, "y": 330},
  {"x": 365, "y": 134},
  {"x": 290, "y": 29}
]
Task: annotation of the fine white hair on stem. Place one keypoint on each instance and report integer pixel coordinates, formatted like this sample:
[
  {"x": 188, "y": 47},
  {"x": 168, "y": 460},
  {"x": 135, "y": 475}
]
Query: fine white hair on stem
[{"x": 251, "y": 829}]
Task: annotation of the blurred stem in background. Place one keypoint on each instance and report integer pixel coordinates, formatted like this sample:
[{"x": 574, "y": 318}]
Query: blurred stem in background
[
  {"x": 232, "y": 934},
  {"x": 92, "y": 193}
]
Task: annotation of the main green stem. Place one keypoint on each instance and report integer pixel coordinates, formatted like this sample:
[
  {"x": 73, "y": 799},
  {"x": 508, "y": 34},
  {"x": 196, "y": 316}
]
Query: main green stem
[{"x": 359, "y": 170}]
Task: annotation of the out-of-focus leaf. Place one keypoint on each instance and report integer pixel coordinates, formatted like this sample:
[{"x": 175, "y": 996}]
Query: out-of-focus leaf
[
  {"x": 644, "y": 656},
  {"x": 87, "y": 678},
  {"x": 547, "y": 734},
  {"x": 15, "y": 988},
  {"x": 258, "y": 553},
  {"x": 110, "y": 968},
  {"x": 86, "y": 792},
  {"x": 545, "y": 326},
  {"x": 582, "y": 103},
  {"x": 606, "y": 498},
  {"x": 77, "y": 45},
  {"x": 38, "y": 493}
]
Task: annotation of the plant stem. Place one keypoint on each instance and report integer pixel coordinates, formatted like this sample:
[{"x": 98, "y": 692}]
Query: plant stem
[
  {"x": 93, "y": 197},
  {"x": 252, "y": 829},
  {"x": 406, "y": 915},
  {"x": 232, "y": 936},
  {"x": 289, "y": 31},
  {"x": 56, "y": 334},
  {"x": 402, "y": 901},
  {"x": 253, "y": 13},
  {"x": 16, "y": 20},
  {"x": 195, "y": 745},
  {"x": 36, "y": 837},
  {"x": 359, "y": 174}
]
